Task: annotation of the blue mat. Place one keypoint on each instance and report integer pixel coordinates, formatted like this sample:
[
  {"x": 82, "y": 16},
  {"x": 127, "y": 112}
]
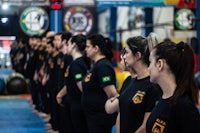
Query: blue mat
[{"x": 16, "y": 116}]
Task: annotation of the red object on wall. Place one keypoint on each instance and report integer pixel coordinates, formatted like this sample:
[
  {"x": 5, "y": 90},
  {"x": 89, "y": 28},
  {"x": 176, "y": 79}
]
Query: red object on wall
[
  {"x": 56, "y": 0},
  {"x": 187, "y": 4},
  {"x": 195, "y": 63},
  {"x": 56, "y": 6},
  {"x": 6, "y": 44}
]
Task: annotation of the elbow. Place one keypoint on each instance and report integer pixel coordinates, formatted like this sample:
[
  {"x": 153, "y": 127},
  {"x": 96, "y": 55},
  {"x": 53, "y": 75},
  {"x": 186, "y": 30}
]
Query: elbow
[
  {"x": 109, "y": 111},
  {"x": 110, "y": 107}
]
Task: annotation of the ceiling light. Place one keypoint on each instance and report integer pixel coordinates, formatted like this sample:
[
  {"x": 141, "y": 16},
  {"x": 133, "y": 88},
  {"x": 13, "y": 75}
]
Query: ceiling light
[
  {"x": 5, "y": 6},
  {"x": 4, "y": 20}
]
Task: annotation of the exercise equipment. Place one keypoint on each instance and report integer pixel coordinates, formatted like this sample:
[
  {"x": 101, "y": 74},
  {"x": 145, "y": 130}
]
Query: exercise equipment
[
  {"x": 16, "y": 85},
  {"x": 2, "y": 86}
]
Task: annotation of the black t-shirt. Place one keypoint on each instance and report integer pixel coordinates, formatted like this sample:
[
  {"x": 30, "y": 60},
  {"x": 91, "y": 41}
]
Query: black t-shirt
[
  {"x": 126, "y": 82},
  {"x": 138, "y": 98},
  {"x": 66, "y": 60},
  {"x": 77, "y": 71},
  {"x": 31, "y": 64},
  {"x": 183, "y": 117},
  {"x": 94, "y": 97},
  {"x": 54, "y": 62}
]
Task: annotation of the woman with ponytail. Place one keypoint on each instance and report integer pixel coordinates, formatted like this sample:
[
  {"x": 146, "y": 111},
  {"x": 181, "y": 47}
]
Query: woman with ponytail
[
  {"x": 140, "y": 96},
  {"x": 73, "y": 76},
  {"x": 99, "y": 85},
  {"x": 172, "y": 67}
]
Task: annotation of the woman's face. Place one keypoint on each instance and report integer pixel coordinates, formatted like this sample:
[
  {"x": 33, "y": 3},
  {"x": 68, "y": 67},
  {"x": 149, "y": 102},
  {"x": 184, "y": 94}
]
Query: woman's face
[
  {"x": 122, "y": 62},
  {"x": 64, "y": 49},
  {"x": 69, "y": 47},
  {"x": 58, "y": 41},
  {"x": 130, "y": 59},
  {"x": 153, "y": 67},
  {"x": 90, "y": 50},
  {"x": 49, "y": 48}
]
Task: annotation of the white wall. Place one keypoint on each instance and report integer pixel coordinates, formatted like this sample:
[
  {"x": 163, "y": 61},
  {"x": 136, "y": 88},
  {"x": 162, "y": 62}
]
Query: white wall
[
  {"x": 160, "y": 15},
  {"x": 103, "y": 22},
  {"x": 166, "y": 14},
  {"x": 122, "y": 22}
]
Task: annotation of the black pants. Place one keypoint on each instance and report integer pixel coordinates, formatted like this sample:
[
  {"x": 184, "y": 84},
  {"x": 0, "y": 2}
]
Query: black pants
[
  {"x": 54, "y": 111},
  {"x": 98, "y": 128},
  {"x": 65, "y": 120},
  {"x": 78, "y": 119},
  {"x": 35, "y": 94}
]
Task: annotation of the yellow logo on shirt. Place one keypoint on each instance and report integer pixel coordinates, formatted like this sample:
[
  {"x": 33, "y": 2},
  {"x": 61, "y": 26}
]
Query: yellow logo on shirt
[
  {"x": 158, "y": 126},
  {"x": 52, "y": 65},
  {"x": 138, "y": 97},
  {"x": 41, "y": 57},
  {"x": 31, "y": 54},
  {"x": 62, "y": 65},
  {"x": 67, "y": 72},
  {"x": 58, "y": 61},
  {"x": 88, "y": 76},
  {"x": 49, "y": 61}
]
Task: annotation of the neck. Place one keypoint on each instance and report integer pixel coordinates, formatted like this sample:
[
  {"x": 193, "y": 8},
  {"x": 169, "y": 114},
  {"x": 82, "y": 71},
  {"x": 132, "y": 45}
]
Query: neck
[
  {"x": 98, "y": 57},
  {"x": 141, "y": 71},
  {"x": 76, "y": 55},
  {"x": 168, "y": 86}
]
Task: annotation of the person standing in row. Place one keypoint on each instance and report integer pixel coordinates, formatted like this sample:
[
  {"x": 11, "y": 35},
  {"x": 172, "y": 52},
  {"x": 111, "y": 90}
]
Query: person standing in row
[
  {"x": 112, "y": 104},
  {"x": 99, "y": 85},
  {"x": 75, "y": 73},
  {"x": 65, "y": 60},
  {"x": 139, "y": 98},
  {"x": 172, "y": 67}
]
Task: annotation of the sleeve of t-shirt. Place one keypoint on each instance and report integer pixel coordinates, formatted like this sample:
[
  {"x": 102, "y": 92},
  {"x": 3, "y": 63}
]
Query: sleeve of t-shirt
[
  {"x": 77, "y": 72},
  {"x": 153, "y": 96},
  {"x": 186, "y": 118},
  {"x": 106, "y": 76}
]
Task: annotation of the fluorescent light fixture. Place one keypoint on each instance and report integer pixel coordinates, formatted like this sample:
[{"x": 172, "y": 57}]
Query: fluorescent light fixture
[
  {"x": 4, "y": 20},
  {"x": 4, "y": 6}
]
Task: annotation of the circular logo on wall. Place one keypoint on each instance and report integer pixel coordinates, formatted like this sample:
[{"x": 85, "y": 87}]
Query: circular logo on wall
[
  {"x": 34, "y": 21},
  {"x": 78, "y": 20},
  {"x": 184, "y": 19}
]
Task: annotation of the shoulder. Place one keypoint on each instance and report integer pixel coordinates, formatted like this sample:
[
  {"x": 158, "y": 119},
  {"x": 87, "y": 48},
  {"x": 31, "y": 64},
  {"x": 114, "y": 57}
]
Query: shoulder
[
  {"x": 104, "y": 64},
  {"x": 184, "y": 106},
  {"x": 78, "y": 62},
  {"x": 183, "y": 102}
]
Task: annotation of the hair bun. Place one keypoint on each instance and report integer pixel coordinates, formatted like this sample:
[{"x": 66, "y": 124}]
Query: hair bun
[{"x": 180, "y": 46}]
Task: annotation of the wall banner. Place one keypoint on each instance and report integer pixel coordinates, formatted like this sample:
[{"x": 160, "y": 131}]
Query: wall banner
[{"x": 79, "y": 19}]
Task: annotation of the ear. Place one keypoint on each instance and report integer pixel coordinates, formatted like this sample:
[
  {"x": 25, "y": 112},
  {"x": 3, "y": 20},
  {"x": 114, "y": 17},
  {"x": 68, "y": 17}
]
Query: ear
[
  {"x": 65, "y": 41},
  {"x": 73, "y": 45},
  {"x": 138, "y": 55},
  {"x": 160, "y": 64},
  {"x": 96, "y": 47}
]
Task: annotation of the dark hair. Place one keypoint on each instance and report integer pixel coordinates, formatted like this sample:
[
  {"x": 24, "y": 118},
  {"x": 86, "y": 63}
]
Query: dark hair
[
  {"x": 50, "y": 41},
  {"x": 104, "y": 44},
  {"x": 123, "y": 51},
  {"x": 180, "y": 60},
  {"x": 80, "y": 41},
  {"x": 66, "y": 35},
  {"x": 59, "y": 33},
  {"x": 139, "y": 44}
]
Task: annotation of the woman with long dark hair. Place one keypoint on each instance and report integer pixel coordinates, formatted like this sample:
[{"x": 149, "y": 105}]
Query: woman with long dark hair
[{"x": 172, "y": 67}]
